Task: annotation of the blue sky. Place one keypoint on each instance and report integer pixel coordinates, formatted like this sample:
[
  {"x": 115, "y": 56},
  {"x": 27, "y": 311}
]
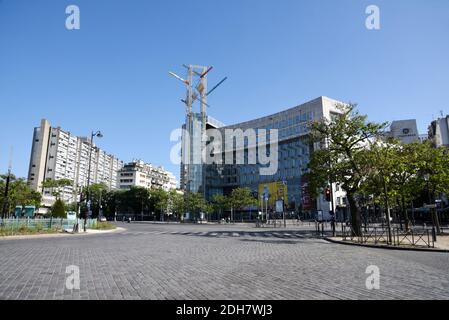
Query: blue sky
[{"x": 112, "y": 73}]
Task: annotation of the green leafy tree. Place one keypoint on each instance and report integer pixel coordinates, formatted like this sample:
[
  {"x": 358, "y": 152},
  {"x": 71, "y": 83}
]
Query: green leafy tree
[
  {"x": 405, "y": 176},
  {"x": 195, "y": 203},
  {"x": 176, "y": 204},
  {"x": 433, "y": 176},
  {"x": 19, "y": 193},
  {"x": 159, "y": 199},
  {"x": 341, "y": 155},
  {"x": 58, "y": 209},
  {"x": 220, "y": 203},
  {"x": 98, "y": 195},
  {"x": 242, "y": 197}
]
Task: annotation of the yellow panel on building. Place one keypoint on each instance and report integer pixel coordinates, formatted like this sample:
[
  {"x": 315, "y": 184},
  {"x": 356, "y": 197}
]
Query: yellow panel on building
[{"x": 274, "y": 191}]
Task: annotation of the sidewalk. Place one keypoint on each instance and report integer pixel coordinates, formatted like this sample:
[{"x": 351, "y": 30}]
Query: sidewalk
[{"x": 61, "y": 234}]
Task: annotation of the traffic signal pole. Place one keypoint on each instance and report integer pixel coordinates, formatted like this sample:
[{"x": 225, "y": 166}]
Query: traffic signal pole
[{"x": 329, "y": 194}]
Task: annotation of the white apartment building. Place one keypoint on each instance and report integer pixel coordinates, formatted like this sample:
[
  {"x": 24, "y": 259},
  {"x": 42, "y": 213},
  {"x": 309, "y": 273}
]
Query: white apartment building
[
  {"x": 57, "y": 154},
  {"x": 140, "y": 174},
  {"x": 439, "y": 132}
]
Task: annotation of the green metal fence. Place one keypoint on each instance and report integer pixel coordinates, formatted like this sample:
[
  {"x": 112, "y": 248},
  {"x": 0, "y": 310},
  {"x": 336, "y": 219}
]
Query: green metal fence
[{"x": 43, "y": 224}]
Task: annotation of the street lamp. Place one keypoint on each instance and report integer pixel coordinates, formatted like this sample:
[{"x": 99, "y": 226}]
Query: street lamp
[
  {"x": 432, "y": 207},
  {"x": 97, "y": 134},
  {"x": 283, "y": 213}
]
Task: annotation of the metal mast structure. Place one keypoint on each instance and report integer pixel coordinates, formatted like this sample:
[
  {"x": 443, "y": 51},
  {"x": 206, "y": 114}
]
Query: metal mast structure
[{"x": 196, "y": 85}]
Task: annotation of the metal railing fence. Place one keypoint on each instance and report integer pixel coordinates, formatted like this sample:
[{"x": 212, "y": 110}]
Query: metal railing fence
[{"x": 43, "y": 224}]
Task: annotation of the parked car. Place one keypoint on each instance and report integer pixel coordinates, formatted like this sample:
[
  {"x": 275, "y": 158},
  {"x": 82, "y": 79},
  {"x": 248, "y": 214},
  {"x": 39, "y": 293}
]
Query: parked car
[{"x": 102, "y": 219}]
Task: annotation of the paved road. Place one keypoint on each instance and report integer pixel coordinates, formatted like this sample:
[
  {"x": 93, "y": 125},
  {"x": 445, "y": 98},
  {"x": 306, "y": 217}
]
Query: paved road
[{"x": 214, "y": 262}]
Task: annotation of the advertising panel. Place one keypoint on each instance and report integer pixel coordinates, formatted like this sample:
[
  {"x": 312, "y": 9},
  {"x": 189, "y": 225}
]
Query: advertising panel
[{"x": 274, "y": 191}]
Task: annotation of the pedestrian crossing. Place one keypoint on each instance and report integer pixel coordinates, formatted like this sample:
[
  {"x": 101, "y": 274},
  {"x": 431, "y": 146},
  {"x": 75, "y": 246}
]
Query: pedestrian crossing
[{"x": 223, "y": 234}]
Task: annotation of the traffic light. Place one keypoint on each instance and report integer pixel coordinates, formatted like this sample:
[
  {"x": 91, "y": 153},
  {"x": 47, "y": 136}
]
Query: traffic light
[{"x": 328, "y": 194}]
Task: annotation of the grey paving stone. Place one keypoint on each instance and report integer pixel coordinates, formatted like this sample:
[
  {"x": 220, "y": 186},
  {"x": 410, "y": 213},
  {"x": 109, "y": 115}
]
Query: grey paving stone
[{"x": 214, "y": 262}]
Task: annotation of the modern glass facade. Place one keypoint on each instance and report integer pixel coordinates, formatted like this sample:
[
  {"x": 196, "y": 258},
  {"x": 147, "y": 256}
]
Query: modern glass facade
[{"x": 294, "y": 150}]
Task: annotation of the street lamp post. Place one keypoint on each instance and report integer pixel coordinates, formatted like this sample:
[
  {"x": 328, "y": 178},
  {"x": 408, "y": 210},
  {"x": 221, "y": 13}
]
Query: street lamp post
[
  {"x": 97, "y": 134},
  {"x": 100, "y": 209},
  {"x": 266, "y": 209},
  {"x": 432, "y": 208},
  {"x": 283, "y": 213}
]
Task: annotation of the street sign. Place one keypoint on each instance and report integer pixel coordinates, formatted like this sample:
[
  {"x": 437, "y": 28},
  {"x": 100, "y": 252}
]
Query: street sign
[{"x": 280, "y": 206}]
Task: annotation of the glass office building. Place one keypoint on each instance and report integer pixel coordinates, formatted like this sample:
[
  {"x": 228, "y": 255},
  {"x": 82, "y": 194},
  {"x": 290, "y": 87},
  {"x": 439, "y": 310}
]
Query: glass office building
[{"x": 294, "y": 150}]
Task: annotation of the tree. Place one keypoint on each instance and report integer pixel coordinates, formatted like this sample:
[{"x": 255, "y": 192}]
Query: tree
[
  {"x": 242, "y": 197},
  {"x": 433, "y": 174},
  {"x": 195, "y": 203},
  {"x": 220, "y": 203},
  {"x": 56, "y": 186},
  {"x": 98, "y": 192},
  {"x": 382, "y": 156},
  {"x": 176, "y": 204},
  {"x": 340, "y": 155},
  {"x": 159, "y": 200},
  {"x": 19, "y": 193},
  {"x": 58, "y": 209},
  {"x": 405, "y": 175}
]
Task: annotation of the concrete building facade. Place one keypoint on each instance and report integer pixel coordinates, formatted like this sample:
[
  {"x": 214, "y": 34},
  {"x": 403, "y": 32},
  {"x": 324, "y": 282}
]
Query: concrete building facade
[
  {"x": 406, "y": 131},
  {"x": 57, "y": 154},
  {"x": 439, "y": 132},
  {"x": 140, "y": 174}
]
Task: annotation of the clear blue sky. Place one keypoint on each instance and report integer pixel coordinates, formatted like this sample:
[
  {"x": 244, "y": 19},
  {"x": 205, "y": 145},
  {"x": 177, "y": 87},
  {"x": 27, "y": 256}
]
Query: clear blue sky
[{"x": 112, "y": 74}]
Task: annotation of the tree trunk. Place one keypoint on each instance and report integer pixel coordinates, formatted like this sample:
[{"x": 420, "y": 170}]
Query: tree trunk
[
  {"x": 355, "y": 216},
  {"x": 436, "y": 221}
]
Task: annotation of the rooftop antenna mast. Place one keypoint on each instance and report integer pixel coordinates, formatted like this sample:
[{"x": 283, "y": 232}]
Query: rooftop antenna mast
[{"x": 196, "y": 87}]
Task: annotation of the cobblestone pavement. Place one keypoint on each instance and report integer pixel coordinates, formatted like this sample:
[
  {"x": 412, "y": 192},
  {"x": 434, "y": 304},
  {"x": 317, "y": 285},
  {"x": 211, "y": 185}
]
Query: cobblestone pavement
[{"x": 149, "y": 261}]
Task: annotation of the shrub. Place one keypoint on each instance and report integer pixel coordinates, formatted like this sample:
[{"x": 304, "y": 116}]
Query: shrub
[{"x": 104, "y": 226}]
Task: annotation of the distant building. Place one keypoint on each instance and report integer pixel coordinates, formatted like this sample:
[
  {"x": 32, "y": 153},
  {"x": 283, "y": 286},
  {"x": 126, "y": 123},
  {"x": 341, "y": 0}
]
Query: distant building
[
  {"x": 57, "y": 154},
  {"x": 141, "y": 174},
  {"x": 406, "y": 131},
  {"x": 439, "y": 132},
  {"x": 423, "y": 137}
]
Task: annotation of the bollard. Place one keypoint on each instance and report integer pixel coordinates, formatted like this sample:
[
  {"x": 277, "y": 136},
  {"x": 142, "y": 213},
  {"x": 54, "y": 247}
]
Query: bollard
[{"x": 434, "y": 235}]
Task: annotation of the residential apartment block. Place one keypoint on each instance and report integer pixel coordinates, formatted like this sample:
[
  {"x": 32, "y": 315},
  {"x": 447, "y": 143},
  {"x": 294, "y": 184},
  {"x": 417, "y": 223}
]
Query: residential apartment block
[
  {"x": 439, "y": 132},
  {"x": 140, "y": 174},
  {"x": 57, "y": 154}
]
